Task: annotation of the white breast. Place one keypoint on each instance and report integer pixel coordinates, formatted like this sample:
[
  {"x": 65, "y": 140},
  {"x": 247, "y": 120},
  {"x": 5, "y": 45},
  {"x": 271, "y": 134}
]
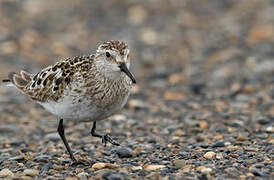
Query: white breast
[{"x": 83, "y": 111}]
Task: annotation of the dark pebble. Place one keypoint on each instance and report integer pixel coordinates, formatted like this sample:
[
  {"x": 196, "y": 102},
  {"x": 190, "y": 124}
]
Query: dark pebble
[
  {"x": 197, "y": 88},
  {"x": 202, "y": 145},
  {"x": 263, "y": 120},
  {"x": 41, "y": 158},
  {"x": 184, "y": 155},
  {"x": 256, "y": 172},
  {"x": 203, "y": 177},
  {"x": 24, "y": 150},
  {"x": 124, "y": 152},
  {"x": 16, "y": 158},
  {"x": 111, "y": 176},
  {"x": 17, "y": 143},
  {"x": 218, "y": 144},
  {"x": 46, "y": 167},
  {"x": 270, "y": 149},
  {"x": 262, "y": 135}
]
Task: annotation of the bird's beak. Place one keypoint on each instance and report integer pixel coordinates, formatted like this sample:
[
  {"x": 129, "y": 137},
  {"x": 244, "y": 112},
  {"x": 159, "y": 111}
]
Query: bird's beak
[{"x": 124, "y": 69}]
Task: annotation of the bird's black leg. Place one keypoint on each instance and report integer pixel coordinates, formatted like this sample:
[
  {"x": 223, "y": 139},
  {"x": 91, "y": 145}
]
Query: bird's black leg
[
  {"x": 105, "y": 138},
  {"x": 61, "y": 132}
]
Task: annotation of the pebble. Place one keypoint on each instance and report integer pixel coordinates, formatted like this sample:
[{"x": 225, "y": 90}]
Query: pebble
[
  {"x": 262, "y": 120},
  {"x": 46, "y": 167},
  {"x": 227, "y": 143},
  {"x": 42, "y": 158},
  {"x": 82, "y": 176},
  {"x": 197, "y": 88},
  {"x": 31, "y": 172},
  {"x": 111, "y": 176},
  {"x": 270, "y": 129},
  {"x": 151, "y": 167},
  {"x": 136, "y": 168},
  {"x": 101, "y": 165},
  {"x": 6, "y": 173},
  {"x": 124, "y": 152},
  {"x": 219, "y": 156},
  {"x": 179, "y": 163},
  {"x": 52, "y": 136},
  {"x": 206, "y": 170},
  {"x": 218, "y": 144},
  {"x": 136, "y": 104},
  {"x": 210, "y": 155},
  {"x": 256, "y": 172},
  {"x": 242, "y": 137},
  {"x": 262, "y": 135}
]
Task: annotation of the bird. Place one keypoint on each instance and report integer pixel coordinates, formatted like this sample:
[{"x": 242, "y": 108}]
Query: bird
[{"x": 86, "y": 88}]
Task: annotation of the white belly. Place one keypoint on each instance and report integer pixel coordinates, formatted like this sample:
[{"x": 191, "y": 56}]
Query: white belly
[{"x": 84, "y": 111}]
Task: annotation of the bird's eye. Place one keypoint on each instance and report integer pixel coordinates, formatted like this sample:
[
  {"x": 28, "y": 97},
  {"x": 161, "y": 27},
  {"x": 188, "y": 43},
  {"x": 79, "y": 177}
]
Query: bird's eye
[{"x": 108, "y": 54}]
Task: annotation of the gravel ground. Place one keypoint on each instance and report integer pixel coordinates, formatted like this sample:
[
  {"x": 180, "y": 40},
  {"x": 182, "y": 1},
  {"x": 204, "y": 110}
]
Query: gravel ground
[{"x": 202, "y": 109}]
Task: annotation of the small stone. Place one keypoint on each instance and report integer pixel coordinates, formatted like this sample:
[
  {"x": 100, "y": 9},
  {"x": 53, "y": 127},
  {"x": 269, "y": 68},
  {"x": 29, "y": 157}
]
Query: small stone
[
  {"x": 31, "y": 172},
  {"x": 52, "y": 136},
  {"x": 111, "y": 166},
  {"x": 119, "y": 117},
  {"x": 270, "y": 129},
  {"x": 111, "y": 176},
  {"x": 41, "y": 158},
  {"x": 203, "y": 124},
  {"x": 179, "y": 163},
  {"x": 136, "y": 104},
  {"x": 197, "y": 88},
  {"x": 124, "y": 152},
  {"x": 46, "y": 167},
  {"x": 82, "y": 176},
  {"x": 99, "y": 165},
  {"x": 210, "y": 155},
  {"x": 71, "y": 178},
  {"x": 151, "y": 167},
  {"x": 174, "y": 96},
  {"x": 242, "y": 137},
  {"x": 219, "y": 156},
  {"x": 235, "y": 165},
  {"x": 256, "y": 172},
  {"x": 262, "y": 120},
  {"x": 218, "y": 144},
  {"x": 23, "y": 177},
  {"x": 136, "y": 168},
  {"x": 206, "y": 170},
  {"x": 6, "y": 173},
  {"x": 262, "y": 135},
  {"x": 58, "y": 167}
]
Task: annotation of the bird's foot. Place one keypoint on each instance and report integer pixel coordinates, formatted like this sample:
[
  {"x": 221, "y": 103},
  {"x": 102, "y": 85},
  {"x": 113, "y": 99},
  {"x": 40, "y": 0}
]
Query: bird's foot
[{"x": 106, "y": 138}]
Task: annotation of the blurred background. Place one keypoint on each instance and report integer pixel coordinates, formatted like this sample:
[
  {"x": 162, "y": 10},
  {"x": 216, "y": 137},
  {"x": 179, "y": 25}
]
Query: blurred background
[
  {"x": 213, "y": 41},
  {"x": 196, "y": 62}
]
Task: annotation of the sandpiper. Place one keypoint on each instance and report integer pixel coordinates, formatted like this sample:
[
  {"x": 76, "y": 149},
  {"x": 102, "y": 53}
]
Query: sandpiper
[{"x": 82, "y": 88}]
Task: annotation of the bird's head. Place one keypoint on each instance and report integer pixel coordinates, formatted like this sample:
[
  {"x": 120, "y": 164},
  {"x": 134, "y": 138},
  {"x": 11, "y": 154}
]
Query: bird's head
[{"x": 112, "y": 59}]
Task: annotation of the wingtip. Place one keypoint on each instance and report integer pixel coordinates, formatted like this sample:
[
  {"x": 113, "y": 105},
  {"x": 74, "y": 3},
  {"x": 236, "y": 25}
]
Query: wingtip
[
  {"x": 17, "y": 80},
  {"x": 11, "y": 76}
]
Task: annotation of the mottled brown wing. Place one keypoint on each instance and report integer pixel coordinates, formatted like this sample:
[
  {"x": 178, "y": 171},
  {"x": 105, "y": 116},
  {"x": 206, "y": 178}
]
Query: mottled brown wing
[{"x": 49, "y": 83}]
